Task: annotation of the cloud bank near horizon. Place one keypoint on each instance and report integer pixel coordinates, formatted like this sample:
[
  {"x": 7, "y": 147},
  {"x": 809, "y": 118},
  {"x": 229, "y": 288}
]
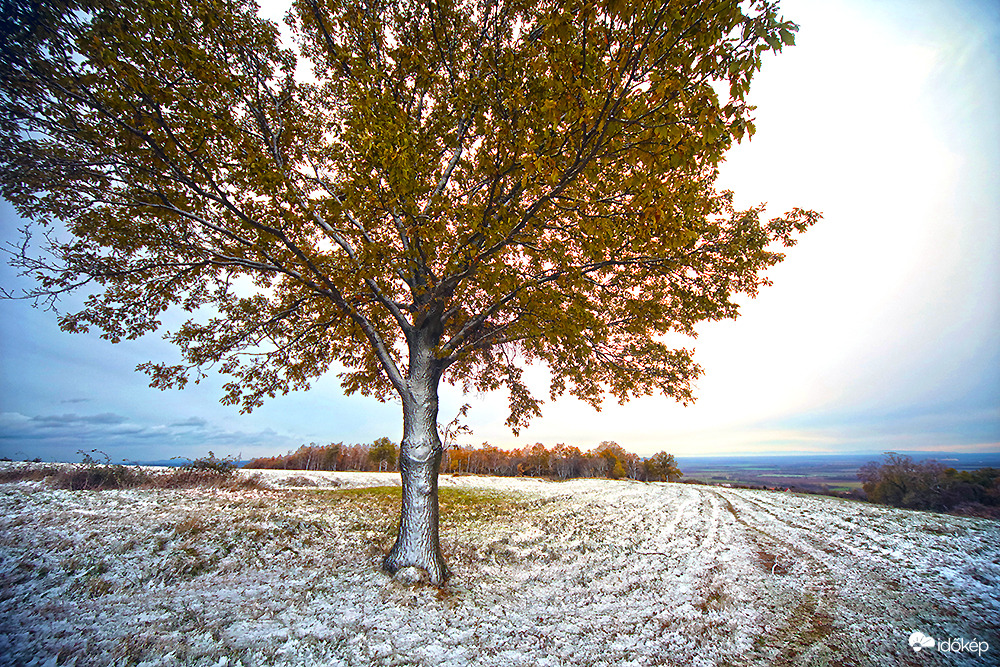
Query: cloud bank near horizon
[{"x": 64, "y": 437}]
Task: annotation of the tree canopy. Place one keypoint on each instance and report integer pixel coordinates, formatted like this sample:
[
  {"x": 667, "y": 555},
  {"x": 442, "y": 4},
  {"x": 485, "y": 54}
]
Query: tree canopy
[{"x": 515, "y": 181}]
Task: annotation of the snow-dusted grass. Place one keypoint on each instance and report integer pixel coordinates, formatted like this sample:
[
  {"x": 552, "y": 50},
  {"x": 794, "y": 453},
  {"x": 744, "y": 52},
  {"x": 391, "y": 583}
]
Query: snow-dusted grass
[{"x": 586, "y": 572}]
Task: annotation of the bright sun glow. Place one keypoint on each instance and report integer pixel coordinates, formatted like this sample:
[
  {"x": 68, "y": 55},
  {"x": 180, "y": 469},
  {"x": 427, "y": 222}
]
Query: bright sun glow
[{"x": 866, "y": 299}]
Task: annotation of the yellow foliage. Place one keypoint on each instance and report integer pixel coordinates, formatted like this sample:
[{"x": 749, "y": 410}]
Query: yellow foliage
[{"x": 470, "y": 186}]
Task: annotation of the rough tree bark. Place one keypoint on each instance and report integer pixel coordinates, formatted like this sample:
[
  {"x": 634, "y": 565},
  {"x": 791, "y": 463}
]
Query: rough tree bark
[{"x": 417, "y": 544}]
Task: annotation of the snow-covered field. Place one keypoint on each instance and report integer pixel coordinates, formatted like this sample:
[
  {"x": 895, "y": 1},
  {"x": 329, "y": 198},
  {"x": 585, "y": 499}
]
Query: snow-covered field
[{"x": 586, "y": 572}]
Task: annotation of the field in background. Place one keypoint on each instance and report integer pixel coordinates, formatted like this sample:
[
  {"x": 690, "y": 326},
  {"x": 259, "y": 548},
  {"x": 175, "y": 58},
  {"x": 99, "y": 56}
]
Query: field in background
[
  {"x": 811, "y": 472},
  {"x": 585, "y": 572}
]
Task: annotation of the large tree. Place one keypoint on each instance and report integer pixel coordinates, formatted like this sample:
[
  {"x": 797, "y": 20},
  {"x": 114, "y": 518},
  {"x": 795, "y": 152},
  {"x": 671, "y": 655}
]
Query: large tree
[{"x": 417, "y": 192}]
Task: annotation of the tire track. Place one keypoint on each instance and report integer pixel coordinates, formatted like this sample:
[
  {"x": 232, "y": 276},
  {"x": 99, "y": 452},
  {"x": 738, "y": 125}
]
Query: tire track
[
  {"x": 856, "y": 571},
  {"x": 802, "y": 635}
]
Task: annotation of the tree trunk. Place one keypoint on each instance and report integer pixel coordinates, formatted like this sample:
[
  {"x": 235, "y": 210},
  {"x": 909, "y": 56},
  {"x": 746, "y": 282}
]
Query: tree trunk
[{"x": 420, "y": 453}]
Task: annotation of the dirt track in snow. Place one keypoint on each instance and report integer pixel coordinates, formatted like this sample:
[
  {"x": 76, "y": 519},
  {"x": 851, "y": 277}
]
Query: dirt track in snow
[{"x": 587, "y": 572}]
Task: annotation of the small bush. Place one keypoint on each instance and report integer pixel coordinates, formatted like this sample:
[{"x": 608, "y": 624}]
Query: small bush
[
  {"x": 205, "y": 471},
  {"x": 94, "y": 475},
  {"x": 185, "y": 479},
  {"x": 212, "y": 464}
]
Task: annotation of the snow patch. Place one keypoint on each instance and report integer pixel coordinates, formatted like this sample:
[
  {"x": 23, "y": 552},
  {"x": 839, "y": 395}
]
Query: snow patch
[{"x": 585, "y": 572}]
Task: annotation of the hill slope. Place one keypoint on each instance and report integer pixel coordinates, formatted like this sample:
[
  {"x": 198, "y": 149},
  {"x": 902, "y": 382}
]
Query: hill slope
[{"x": 587, "y": 572}]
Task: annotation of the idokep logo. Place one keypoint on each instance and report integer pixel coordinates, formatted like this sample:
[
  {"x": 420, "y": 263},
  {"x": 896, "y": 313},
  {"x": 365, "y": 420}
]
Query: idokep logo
[{"x": 919, "y": 641}]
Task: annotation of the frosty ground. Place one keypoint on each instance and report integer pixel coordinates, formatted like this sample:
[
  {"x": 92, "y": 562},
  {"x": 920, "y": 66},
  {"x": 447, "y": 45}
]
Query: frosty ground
[{"x": 585, "y": 572}]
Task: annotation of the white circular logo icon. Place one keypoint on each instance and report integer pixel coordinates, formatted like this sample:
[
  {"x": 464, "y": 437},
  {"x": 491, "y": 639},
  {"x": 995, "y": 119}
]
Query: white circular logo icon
[{"x": 919, "y": 640}]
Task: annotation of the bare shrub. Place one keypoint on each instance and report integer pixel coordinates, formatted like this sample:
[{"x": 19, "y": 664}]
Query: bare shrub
[
  {"x": 207, "y": 471},
  {"x": 212, "y": 464},
  {"x": 184, "y": 478},
  {"x": 95, "y": 475}
]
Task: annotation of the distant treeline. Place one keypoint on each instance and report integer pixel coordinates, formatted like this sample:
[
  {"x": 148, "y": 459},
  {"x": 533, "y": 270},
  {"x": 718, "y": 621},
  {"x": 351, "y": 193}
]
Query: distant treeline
[
  {"x": 902, "y": 482},
  {"x": 561, "y": 461}
]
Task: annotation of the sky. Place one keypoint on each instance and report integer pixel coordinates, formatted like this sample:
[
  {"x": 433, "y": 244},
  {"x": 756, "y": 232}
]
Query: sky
[{"x": 881, "y": 330}]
